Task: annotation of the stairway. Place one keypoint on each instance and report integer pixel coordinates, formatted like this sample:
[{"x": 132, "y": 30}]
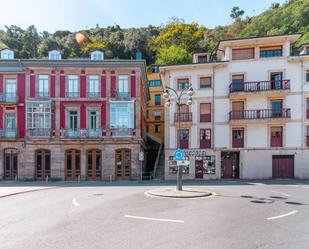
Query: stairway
[{"x": 161, "y": 165}]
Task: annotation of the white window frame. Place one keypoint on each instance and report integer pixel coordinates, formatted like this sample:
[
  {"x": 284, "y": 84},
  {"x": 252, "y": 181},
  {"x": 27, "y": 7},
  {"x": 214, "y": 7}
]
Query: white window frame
[
  {"x": 93, "y": 86},
  {"x": 43, "y": 85},
  {"x": 73, "y": 86},
  {"x": 36, "y": 111}
]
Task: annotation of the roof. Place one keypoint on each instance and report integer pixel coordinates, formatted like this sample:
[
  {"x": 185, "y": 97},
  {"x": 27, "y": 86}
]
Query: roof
[
  {"x": 257, "y": 40},
  {"x": 19, "y": 65},
  {"x": 190, "y": 65}
]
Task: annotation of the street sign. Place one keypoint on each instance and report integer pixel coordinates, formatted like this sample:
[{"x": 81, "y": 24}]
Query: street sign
[
  {"x": 183, "y": 163},
  {"x": 179, "y": 155},
  {"x": 141, "y": 156}
]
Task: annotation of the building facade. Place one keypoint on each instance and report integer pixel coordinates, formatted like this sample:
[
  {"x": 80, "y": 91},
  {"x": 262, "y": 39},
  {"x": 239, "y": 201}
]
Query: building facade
[
  {"x": 155, "y": 107},
  {"x": 73, "y": 119},
  {"x": 250, "y": 113}
]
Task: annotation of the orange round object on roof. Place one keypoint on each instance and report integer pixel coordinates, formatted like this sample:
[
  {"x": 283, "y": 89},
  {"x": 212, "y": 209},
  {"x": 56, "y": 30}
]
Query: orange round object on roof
[{"x": 80, "y": 38}]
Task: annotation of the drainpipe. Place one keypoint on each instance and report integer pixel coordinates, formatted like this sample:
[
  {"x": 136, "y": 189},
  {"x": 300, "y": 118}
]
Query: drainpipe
[{"x": 302, "y": 105}]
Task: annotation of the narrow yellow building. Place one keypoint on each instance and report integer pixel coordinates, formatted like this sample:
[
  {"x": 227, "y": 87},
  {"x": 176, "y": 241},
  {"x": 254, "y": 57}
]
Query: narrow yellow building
[{"x": 155, "y": 108}]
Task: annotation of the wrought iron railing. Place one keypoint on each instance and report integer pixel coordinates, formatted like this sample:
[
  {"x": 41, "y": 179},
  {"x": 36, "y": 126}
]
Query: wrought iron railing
[
  {"x": 260, "y": 114},
  {"x": 259, "y": 86}
]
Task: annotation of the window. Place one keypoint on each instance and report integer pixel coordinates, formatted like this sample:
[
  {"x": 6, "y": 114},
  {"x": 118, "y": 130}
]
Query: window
[
  {"x": 97, "y": 55},
  {"x": 155, "y": 69},
  {"x": 122, "y": 115},
  {"x": 237, "y": 82},
  {"x": 157, "y": 128},
  {"x": 276, "y": 136},
  {"x": 10, "y": 90},
  {"x": 307, "y": 76},
  {"x": 207, "y": 163},
  {"x": 93, "y": 86},
  {"x": 307, "y": 108},
  {"x": 275, "y": 51},
  {"x": 72, "y": 89},
  {"x": 243, "y": 54},
  {"x": 123, "y": 86},
  {"x": 154, "y": 83},
  {"x": 7, "y": 54},
  {"x": 158, "y": 99},
  {"x": 147, "y": 114},
  {"x": 93, "y": 120},
  {"x": 276, "y": 80},
  {"x": 238, "y": 138},
  {"x": 205, "y": 82},
  {"x": 73, "y": 120},
  {"x": 202, "y": 59},
  {"x": 43, "y": 86},
  {"x": 276, "y": 108},
  {"x": 205, "y": 138},
  {"x": 205, "y": 112},
  {"x": 54, "y": 55},
  {"x": 39, "y": 115},
  {"x": 157, "y": 115},
  {"x": 183, "y": 136},
  {"x": 10, "y": 125},
  {"x": 147, "y": 128},
  {"x": 182, "y": 84}
]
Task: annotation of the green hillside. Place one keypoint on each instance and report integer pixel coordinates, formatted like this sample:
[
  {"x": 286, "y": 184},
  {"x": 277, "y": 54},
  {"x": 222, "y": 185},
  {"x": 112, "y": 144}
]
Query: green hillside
[{"x": 171, "y": 43}]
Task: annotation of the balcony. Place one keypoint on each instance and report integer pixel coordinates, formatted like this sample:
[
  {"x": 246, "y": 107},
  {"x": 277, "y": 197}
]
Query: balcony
[
  {"x": 259, "y": 86},
  {"x": 205, "y": 118},
  {"x": 122, "y": 132},
  {"x": 72, "y": 94},
  {"x": 183, "y": 117},
  {"x": 260, "y": 114},
  {"x": 39, "y": 132},
  {"x": 276, "y": 141},
  {"x": 42, "y": 95},
  {"x": 122, "y": 95},
  {"x": 8, "y": 133},
  {"x": 93, "y": 95},
  {"x": 205, "y": 143},
  {"x": 80, "y": 133},
  {"x": 237, "y": 143},
  {"x": 8, "y": 98}
]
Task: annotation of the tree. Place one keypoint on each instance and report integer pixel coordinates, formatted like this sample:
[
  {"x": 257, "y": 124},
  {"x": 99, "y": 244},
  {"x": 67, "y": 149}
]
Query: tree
[
  {"x": 173, "y": 55},
  {"x": 236, "y": 12}
]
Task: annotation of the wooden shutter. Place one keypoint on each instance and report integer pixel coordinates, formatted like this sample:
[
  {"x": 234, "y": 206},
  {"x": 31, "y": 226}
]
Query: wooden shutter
[{"x": 243, "y": 54}]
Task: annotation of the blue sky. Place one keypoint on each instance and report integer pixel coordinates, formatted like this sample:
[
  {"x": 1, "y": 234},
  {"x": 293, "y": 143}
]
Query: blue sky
[{"x": 74, "y": 15}]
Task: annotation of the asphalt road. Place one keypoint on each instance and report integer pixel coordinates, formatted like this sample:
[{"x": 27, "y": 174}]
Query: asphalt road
[{"x": 241, "y": 216}]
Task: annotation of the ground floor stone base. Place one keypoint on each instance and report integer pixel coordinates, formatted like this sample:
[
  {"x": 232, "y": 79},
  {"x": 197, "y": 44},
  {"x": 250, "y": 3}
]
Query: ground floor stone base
[
  {"x": 107, "y": 160},
  {"x": 207, "y": 164}
]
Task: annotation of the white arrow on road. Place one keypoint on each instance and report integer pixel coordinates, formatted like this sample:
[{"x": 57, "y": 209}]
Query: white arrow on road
[{"x": 75, "y": 203}]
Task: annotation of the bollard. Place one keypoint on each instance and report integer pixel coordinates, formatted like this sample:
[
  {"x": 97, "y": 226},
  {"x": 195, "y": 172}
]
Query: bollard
[
  {"x": 110, "y": 178},
  {"x": 78, "y": 178},
  {"x": 47, "y": 178},
  {"x": 15, "y": 178}
]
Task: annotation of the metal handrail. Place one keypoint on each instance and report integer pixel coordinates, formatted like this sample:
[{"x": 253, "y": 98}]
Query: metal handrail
[
  {"x": 260, "y": 114},
  {"x": 157, "y": 160},
  {"x": 258, "y": 86}
]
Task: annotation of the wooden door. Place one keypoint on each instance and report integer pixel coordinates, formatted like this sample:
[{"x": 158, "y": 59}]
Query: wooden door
[
  {"x": 42, "y": 164},
  {"x": 10, "y": 164},
  {"x": 123, "y": 164},
  {"x": 227, "y": 166},
  {"x": 282, "y": 166},
  {"x": 72, "y": 171},
  {"x": 199, "y": 169},
  {"x": 93, "y": 170}
]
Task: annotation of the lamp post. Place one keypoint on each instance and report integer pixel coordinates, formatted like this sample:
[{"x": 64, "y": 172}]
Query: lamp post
[{"x": 168, "y": 93}]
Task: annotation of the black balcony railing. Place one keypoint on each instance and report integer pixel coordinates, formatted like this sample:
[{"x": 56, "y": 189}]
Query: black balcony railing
[
  {"x": 259, "y": 86},
  {"x": 8, "y": 133},
  {"x": 260, "y": 114},
  {"x": 72, "y": 94},
  {"x": 8, "y": 97},
  {"x": 183, "y": 117}
]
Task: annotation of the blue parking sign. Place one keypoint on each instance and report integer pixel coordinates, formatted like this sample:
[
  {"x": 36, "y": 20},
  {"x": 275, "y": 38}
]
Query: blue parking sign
[{"x": 179, "y": 155}]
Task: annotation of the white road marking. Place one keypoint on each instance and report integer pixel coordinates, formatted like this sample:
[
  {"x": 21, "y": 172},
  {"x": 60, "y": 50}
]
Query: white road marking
[
  {"x": 280, "y": 193},
  {"x": 154, "y": 219},
  {"x": 306, "y": 187},
  {"x": 75, "y": 203},
  {"x": 283, "y": 215}
]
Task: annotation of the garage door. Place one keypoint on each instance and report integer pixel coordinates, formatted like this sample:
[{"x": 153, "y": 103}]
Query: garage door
[{"x": 283, "y": 166}]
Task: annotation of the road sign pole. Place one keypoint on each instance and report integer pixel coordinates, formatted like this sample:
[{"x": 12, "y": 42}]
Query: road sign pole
[{"x": 179, "y": 178}]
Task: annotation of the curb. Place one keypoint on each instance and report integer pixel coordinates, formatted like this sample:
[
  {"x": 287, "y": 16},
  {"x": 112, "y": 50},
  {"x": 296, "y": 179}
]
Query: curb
[
  {"x": 25, "y": 191},
  {"x": 201, "y": 194}
]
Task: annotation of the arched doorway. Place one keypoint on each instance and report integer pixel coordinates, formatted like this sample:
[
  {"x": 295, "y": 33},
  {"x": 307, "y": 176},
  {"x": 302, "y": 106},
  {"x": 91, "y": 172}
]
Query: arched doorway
[
  {"x": 10, "y": 164},
  {"x": 42, "y": 164},
  {"x": 72, "y": 164},
  {"x": 94, "y": 162},
  {"x": 123, "y": 163}
]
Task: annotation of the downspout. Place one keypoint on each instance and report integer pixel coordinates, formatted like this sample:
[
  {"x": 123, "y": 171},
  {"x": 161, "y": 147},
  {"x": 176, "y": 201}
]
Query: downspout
[{"x": 302, "y": 105}]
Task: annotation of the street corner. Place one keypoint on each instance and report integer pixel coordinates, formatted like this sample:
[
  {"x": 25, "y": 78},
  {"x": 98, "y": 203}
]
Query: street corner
[{"x": 172, "y": 192}]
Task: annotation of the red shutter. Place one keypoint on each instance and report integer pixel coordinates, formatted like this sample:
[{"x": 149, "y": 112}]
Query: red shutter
[
  {"x": 83, "y": 116},
  {"x": 103, "y": 115},
  {"x": 62, "y": 116},
  {"x": 1, "y": 83},
  {"x": 113, "y": 84},
  {"x": 62, "y": 84},
  {"x": 53, "y": 85},
  {"x": 82, "y": 84},
  {"x": 133, "y": 84},
  {"x": 21, "y": 87},
  {"x": 1, "y": 117},
  {"x": 103, "y": 84},
  {"x": 32, "y": 84}
]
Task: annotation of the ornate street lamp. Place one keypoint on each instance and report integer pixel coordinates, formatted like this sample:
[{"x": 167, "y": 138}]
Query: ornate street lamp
[{"x": 167, "y": 94}]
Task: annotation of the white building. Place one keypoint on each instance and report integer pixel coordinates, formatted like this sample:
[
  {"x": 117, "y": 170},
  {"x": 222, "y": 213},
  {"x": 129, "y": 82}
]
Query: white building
[{"x": 250, "y": 112}]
